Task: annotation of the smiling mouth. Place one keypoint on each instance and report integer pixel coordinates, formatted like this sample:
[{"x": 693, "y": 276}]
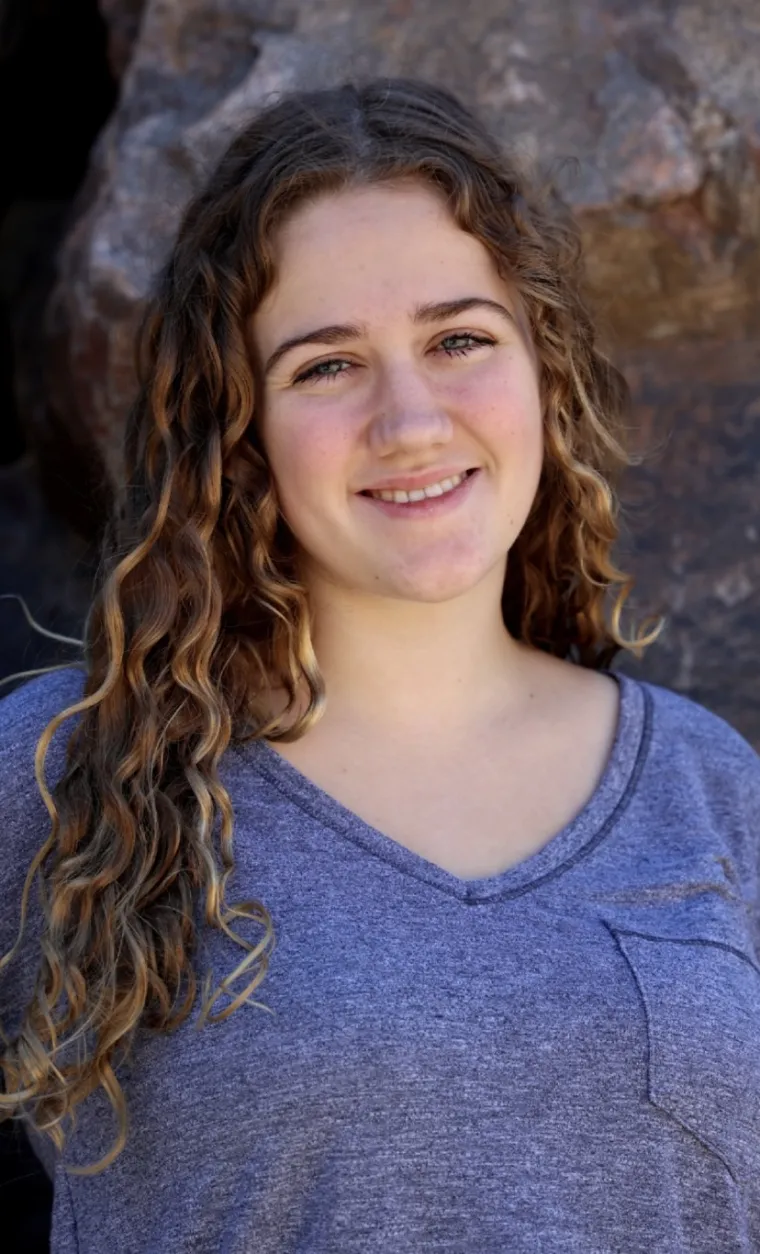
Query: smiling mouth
[{"x": 400, "y": 496}]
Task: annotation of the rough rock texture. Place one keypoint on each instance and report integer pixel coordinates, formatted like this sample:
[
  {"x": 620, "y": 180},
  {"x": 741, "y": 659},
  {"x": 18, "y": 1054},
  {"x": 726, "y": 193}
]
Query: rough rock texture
[
  {"x": 650, "y": 117},
  {"x": 659, "y": 105},
  {"x": 690, "y": 521}
]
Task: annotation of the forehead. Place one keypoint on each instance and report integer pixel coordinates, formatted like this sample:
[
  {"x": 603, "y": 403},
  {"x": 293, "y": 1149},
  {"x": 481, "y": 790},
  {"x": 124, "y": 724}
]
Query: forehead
[
  {"x": 390, "y": 242},
  {"x": 365, "y": 205}
]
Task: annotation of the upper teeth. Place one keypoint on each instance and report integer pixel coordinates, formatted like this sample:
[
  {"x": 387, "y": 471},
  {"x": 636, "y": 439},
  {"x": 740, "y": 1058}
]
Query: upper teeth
[{"x": 418, "y": 494}]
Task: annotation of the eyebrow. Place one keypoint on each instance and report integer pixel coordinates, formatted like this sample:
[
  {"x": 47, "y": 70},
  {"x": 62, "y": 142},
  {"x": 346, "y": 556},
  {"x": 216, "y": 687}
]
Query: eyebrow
[{"x": 435, "y": 311}]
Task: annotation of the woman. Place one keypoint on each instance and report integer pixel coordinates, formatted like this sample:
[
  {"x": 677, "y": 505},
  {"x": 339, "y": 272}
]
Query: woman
[{"x": 467, "y": 922}]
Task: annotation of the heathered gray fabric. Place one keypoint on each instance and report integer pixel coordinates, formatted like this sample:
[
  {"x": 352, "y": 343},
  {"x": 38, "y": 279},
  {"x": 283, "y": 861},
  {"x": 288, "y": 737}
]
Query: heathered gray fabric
[{"x": 561, "y": 1059}]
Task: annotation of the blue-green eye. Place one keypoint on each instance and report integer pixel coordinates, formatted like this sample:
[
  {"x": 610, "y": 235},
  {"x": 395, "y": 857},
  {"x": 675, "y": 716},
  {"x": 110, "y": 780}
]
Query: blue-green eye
[
  {"x": 466, "y": 344},
  {"x": 324, "y": 370},
  {"x": 457, "y": 344}
]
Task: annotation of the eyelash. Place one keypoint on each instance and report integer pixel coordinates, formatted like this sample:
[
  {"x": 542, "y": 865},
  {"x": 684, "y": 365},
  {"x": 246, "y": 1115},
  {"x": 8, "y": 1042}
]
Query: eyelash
[{"x": 314, "y": 372}]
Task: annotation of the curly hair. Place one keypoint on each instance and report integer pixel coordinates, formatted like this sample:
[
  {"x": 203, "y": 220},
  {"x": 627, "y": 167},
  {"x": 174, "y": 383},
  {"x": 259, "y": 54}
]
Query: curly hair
[{"x": 198, "y": 607}]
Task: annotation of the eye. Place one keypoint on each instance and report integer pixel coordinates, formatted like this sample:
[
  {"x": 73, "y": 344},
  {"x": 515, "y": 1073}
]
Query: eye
[
  {"x": 460, "y": 343},
  {"x": 329, "y": 369}
]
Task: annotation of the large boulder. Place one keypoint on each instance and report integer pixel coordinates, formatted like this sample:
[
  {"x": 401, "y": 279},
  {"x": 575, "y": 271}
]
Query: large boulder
[{"x": 649, "y": 118}]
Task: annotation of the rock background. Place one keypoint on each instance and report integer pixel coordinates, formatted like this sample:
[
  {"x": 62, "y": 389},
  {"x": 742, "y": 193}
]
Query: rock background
[
  {"x": 658, "y": 106},
  {"x": 647, "y": 115}
]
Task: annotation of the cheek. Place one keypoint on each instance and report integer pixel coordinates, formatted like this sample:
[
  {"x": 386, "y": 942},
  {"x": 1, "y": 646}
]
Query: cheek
[
  {"x": 505, "y": 407},
  {"x": 306, "y": 458}
]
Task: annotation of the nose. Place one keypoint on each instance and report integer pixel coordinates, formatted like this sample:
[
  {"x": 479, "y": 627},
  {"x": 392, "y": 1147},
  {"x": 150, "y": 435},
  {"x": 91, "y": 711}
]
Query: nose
[{"x": 407, "y": 413}]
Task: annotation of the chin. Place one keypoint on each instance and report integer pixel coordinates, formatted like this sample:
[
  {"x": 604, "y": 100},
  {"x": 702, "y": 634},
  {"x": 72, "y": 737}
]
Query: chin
[{"x": 435, "y": 589}]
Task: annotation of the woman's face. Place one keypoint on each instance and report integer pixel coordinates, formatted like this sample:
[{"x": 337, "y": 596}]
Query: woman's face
[{"x": 392, "y": 355}]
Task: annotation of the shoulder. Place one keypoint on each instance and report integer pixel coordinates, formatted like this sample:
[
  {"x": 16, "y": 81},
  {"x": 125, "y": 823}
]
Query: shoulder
[
  {"x": 689, "y": 728},
  {"x": 24, "y": 820},
  {"x": 699, "y": 759},
  {"x": 41, "y": 697},
  {"x": 24, "y": 715}
]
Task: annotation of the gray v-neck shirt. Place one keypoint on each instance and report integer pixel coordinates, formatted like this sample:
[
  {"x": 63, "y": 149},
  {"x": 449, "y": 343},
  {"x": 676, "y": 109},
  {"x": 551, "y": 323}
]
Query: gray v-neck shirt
[{"x": 560, "y": 1059}]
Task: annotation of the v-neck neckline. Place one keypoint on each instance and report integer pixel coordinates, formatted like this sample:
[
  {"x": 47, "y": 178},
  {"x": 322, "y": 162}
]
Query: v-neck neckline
[{"x": 574, "y": 841}]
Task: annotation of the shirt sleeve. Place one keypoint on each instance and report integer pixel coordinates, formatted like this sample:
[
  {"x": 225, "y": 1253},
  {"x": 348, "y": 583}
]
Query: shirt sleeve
[{"x": 25, "y": 823}]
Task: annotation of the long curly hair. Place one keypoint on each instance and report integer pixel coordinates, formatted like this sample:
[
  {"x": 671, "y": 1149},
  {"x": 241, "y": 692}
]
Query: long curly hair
[{"x": 198, "y": 610}]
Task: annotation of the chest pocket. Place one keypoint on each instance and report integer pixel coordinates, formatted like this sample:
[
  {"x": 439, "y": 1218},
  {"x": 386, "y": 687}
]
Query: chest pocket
[{"x": 699, "y": 981}]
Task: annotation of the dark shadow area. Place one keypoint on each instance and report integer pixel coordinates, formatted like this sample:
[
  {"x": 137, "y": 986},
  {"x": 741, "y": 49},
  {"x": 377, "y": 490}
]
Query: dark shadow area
[
  {"x": 26, "y": 1195},
  {"x": 56, "y": 92}
]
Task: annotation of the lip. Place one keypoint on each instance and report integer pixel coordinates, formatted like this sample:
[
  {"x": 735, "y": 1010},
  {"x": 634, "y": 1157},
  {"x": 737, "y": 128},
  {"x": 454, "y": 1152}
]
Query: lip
[
  {"x": 406, "y": 483},
  {"x": 429, "y": 506}
]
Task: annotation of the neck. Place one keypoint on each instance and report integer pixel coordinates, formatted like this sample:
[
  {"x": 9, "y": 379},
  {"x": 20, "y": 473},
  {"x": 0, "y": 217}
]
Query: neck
[{"x": 406, "y": 669}]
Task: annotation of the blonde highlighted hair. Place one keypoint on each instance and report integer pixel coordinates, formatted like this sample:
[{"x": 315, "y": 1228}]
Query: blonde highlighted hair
[{"x": 199, "y": 611}]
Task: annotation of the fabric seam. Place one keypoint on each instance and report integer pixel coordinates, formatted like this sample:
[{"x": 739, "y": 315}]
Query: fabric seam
[{"x": 589, "y": 847}]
